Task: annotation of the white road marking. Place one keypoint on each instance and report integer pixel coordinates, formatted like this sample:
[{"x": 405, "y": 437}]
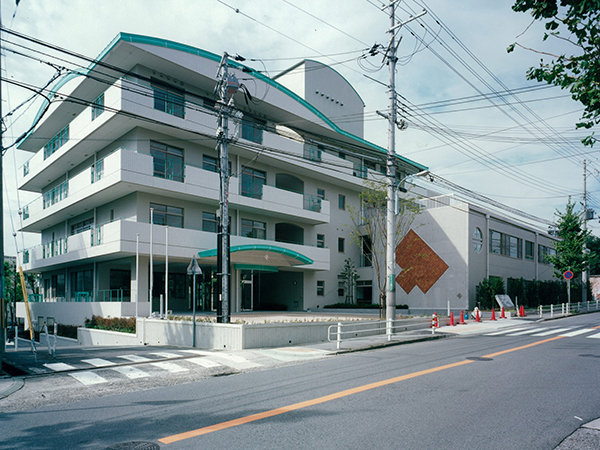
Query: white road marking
[
  {"x": 554, "y": 331},
  {"x": 135, "y": 358},
  {"x": 520, "y": 333},
  {"x": 131, "y": 372},
  {"x": 169, "y": 366},
  {"x": 166, "y": 355},
  {"x": 59, "y": 367},
  {"x": 204, "y": 362},
  {"x": 594, "y": 336},
  {"x": 88, "y": 378},
  {"x": 228, "y": 359},
  {"x": 98, "y": 362},
  {"x": 578, "y": 332},
  {"x": 498, "y": 333}
]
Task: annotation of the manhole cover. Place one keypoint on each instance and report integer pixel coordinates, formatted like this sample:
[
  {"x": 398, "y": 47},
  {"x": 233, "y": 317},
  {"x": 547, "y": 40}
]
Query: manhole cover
[
  {"x": 136, "y": 445},
  {"x": 479, "y": 358}
]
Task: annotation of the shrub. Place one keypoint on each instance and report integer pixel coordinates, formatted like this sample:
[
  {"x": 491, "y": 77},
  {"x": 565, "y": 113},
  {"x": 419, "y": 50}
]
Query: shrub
[{"x": 124, "y": 325}]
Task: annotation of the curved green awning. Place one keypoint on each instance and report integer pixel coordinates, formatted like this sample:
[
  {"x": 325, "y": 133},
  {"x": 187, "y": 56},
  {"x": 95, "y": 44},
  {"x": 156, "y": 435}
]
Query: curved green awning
[{"x": 258, "y": 254}]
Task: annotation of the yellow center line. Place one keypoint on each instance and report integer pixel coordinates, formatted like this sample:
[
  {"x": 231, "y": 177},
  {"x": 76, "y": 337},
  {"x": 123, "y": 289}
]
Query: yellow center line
[{"x": 330, "y": 397}]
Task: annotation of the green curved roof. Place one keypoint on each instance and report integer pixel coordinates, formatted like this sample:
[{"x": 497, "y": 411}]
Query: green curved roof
[{"x": 301, "y": 259}]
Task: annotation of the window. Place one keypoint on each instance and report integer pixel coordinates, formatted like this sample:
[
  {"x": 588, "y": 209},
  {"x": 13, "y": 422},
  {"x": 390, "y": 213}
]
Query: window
[
  {"x": 252, "y": 182},
  {"x": 120, "y": 279},
  {"x": 321, "y": 240},
  {"x": 254, "y": 229},
  {"x": 170, "y": 216},
  {"x": 504, "y": 244},
  {"x": 370, "y": 165},
  {"x": 342, "y": 155},
  {"x": 320, "y": 287},
  {"x": 82, "y": 281},
  {"x": 252, "y": 129},
  {"x": 342, "y": 201},
  {"x": 341, "y": 243},
  {"x": 366, "y": 259},
  {"x": 529, "y": 248},
  {"x": 97, "y": 106},
  {"x": 359, "y": 171},
  {"x": 168, "y": 99},
  {"x": 477, "y": 240},
  {"x": 56, "y": 142},
  {"x": 168, "y": 161},
  {"x": 82, "y": 226},
  {"x": 209, "y": 163},
  {"x": 209, "y": 222},
  {"x": 321, "y": 193},
  {"x": 544, "y": 252},
  {"x": 341, "y": 286}
]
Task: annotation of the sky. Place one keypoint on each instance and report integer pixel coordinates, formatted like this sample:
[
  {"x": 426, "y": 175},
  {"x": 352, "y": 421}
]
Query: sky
[{"x": 453, "y": 73}]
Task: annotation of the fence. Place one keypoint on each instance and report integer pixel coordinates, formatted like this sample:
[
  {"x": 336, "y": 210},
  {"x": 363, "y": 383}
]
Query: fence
[
  {"x": 564, "y": 309},
  {"x": 357, "y": 330}
]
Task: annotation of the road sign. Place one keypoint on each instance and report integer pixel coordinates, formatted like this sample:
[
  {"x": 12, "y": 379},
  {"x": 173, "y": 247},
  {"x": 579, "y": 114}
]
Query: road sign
[{"x": 568, "y": 275}]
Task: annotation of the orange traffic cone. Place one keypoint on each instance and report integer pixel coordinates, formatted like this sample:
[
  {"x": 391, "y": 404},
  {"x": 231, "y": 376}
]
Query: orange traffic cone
[
  {"x": 523, "y": 311},
  {"x": 452, "y": 319},
  {"x": 493, "y": 315},
  {"x": 477, "y": 318},
  {"x": 461, "y": 321},
  {"x": 502, "y": 315}
]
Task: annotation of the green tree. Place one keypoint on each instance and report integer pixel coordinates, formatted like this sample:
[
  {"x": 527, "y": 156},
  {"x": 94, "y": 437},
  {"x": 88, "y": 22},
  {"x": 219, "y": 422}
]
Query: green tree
[
  {"x": 574, "y": 22},
  {"x": 593, "y": 246},
  {"x": 569, "y": 250},
  {"x": 349, "y": 275},
  {"x": 369, "y": 228}
]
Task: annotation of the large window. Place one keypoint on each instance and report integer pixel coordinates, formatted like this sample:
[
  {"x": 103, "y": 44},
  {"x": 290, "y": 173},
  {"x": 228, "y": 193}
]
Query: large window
[
  {"x": 209, "y": 222},
  {"x": 252, "y": 129},
  {"x": 366, "y": 259},
  {"x": 252, "y": 182},
  {"x": 505, "y": 244},
  {"x": 209, "y": 163},
  {"x": 168, "y": 99},
  {"x": 168, "y": 161},
  {"x": 529, "y": 247},
  {"x": 82, "y": 281},
  {"x": 254, "y": 229},
  {"x": 170, "y": 216},
  {"x": 56, "y": 142},
  {"x": 82, "y": 226},
  {"x": 544, "y": 252}
]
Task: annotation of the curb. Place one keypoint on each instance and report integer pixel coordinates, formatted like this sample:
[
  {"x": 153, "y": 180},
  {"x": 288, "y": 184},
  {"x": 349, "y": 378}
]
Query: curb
[
  {"x": 17, "y": 383},
  {"x": 390, "y": 344}
]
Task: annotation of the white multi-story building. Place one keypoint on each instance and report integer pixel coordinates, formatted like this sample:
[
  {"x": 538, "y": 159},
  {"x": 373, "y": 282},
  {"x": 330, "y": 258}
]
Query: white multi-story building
[{"x": 133, "y": 137}]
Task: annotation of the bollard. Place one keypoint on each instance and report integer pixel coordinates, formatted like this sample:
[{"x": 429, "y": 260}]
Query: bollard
[
  {"x": 16, "y": 338},
  {"x": 339, "y": 335},
  {"x": 541, "y": 311},
  {"x": 47, "y": 338},
  {"x": 55, "y": 339},
  {"x": 551, "y": 311}
]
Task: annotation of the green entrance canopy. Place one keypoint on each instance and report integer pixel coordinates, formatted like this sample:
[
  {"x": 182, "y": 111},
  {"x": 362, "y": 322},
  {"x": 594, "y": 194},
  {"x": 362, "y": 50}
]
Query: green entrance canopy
[{"x": 258, "y": 255}]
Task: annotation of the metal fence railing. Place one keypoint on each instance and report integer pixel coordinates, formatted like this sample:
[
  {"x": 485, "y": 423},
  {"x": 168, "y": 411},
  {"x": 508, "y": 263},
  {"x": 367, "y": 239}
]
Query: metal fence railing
[
  {"x": 564, "y": 309},
  {"x": 345, "y": 331}
]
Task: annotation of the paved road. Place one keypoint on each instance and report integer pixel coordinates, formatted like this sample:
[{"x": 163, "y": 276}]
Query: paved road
[{"x": 443, "y": 394}]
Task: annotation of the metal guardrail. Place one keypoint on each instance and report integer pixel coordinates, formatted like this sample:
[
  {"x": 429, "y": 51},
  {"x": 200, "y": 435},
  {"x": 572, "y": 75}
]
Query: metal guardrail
[
  {"x": 345, "y": 331},
  {"x": 564, "y": 309}
]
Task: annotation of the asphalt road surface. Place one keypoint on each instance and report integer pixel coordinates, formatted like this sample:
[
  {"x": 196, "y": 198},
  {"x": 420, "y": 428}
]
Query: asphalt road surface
[{"x": 519, "y": 389}]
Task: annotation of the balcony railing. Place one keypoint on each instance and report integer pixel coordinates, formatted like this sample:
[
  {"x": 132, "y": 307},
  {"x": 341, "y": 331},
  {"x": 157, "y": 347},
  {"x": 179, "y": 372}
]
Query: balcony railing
[
  {"x": 312, "y": 203},
  {"x": 54, "y": 248},
  {"x": 114, "y": 295},
  {"x": 56, "y": 194}
]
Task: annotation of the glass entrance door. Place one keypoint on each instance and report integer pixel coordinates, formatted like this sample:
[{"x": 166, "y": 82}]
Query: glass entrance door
[{"x": 247, "y": 291}]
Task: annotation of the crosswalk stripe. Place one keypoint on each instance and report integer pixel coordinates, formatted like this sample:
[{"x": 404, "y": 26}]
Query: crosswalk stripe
[
  {"x": 204, "y": 362},
  {"x": 169, "y": 366},
  {"x": 88, "y": 378},
  {"x": 228, "y": 359},
  {"x": 166, "y": 355},
  {"x": 554, "y": 331},
  {"x": 131, "y": 372},
  {"x": 135, "y": 358},
  {"x": 498, "y": 333},
  {"x": 577, "y": 332},
  {"x": 594, "y": 336},
  {"x": 59, "y": 367},
  {"x": 98, "y": 362},
  {"x": 521, "y": 333}
]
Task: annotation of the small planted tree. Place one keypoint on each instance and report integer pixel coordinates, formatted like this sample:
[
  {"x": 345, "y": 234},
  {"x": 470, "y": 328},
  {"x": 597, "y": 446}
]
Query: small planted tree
[{"x": 349, "y": 276}]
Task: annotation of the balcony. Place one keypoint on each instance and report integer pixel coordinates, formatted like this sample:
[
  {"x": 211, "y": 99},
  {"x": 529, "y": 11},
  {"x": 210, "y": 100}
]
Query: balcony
[{"x": 117, "y": 239}]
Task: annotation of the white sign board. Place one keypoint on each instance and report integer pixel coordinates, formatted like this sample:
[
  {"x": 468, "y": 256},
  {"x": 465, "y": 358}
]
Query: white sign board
[{"x": 504, "y": 300}]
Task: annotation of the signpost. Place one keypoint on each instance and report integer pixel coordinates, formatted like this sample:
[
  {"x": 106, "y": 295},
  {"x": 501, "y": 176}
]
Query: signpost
[
  {"x": 193, "y": 270},
  {"x": 568, "y": 275}
]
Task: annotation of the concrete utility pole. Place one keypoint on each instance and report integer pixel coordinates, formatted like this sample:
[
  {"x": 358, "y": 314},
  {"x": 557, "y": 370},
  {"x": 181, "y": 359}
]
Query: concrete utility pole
[
  {"x": 2, "y": 319},
  {"x": 584, "y": 273},
  {"x": 390, "y": 300},
  {"x": 227, "y": 86}
]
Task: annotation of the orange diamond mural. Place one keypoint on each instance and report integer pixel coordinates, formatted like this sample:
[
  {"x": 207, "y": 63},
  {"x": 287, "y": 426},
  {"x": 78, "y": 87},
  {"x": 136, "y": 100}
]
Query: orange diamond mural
[{"x": 421, "y": 266}]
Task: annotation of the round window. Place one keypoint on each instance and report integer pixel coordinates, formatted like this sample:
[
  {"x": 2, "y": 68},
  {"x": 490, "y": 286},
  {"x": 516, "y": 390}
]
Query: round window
[{"x": 477, "y": 240}]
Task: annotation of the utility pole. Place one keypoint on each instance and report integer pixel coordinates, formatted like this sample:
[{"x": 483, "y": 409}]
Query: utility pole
[
  {"x": 390, "y": 300},
  {"x": 584, "y": 272},
  {"x": 2, "y": 319},
  {"x": 227, "y": 86}
]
